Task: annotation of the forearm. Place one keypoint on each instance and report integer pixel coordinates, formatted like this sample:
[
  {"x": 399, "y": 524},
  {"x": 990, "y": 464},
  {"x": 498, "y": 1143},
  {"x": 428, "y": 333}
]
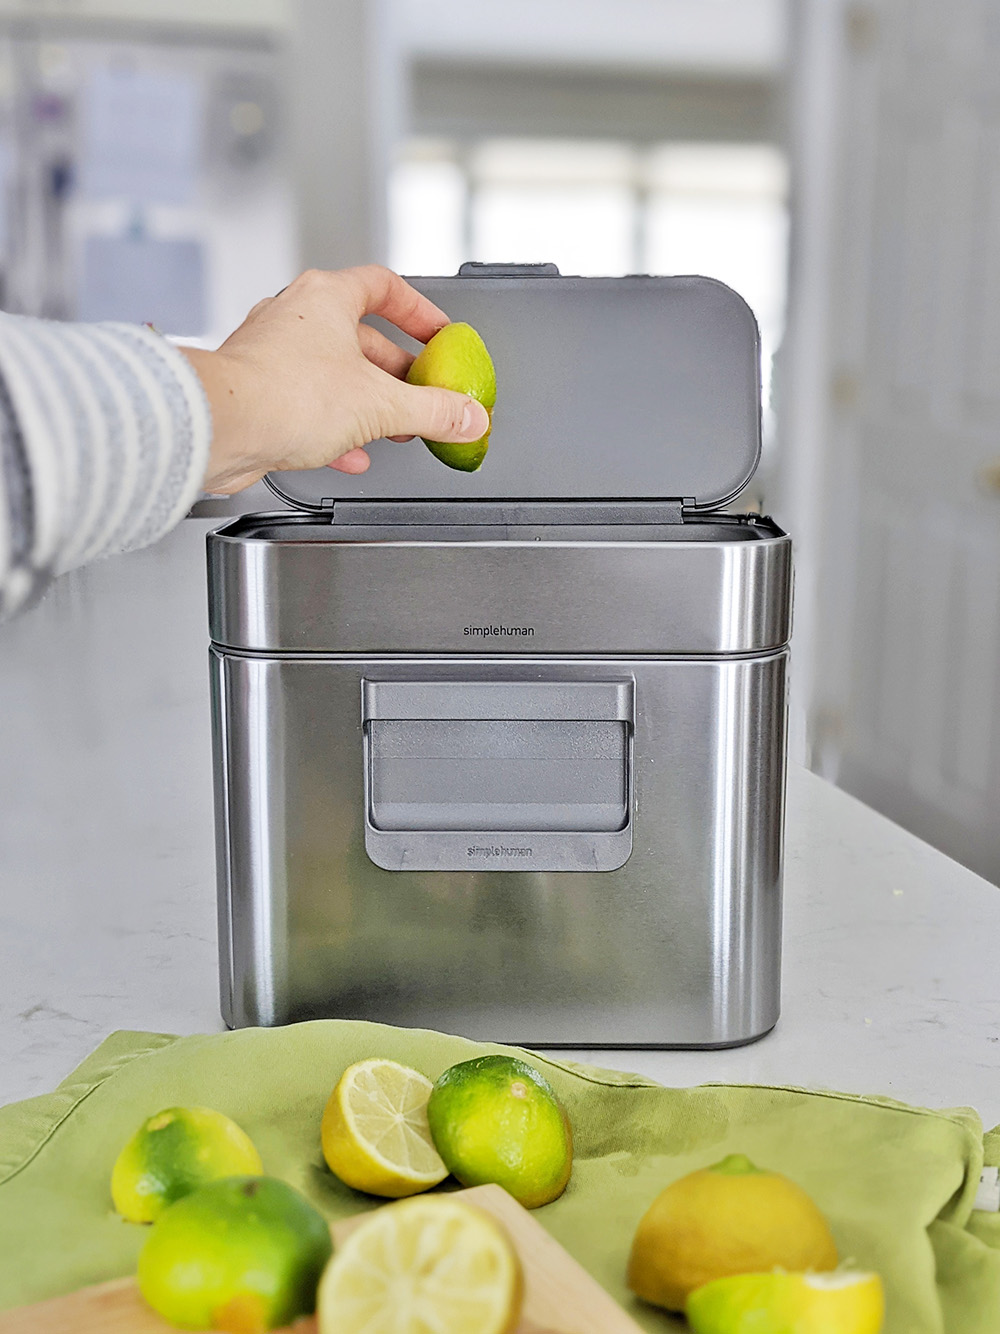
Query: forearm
[{"x": 104, "y": 437}]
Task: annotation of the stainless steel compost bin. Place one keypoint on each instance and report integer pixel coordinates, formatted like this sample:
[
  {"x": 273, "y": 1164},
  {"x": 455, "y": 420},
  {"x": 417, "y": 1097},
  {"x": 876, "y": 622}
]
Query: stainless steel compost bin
[{"x": 503, "y": 753}]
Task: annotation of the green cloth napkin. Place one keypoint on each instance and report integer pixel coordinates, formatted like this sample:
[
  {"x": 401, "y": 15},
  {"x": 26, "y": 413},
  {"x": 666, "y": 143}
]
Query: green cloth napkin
[{"x": 897, "y": 1183}]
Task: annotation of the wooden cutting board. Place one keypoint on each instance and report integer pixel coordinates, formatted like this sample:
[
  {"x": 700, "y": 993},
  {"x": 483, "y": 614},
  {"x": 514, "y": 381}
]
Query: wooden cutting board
[{"x": 560, "y": 1297}]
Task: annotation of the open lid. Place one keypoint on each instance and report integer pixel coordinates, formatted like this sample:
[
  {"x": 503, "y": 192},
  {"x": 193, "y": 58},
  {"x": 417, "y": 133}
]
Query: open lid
[{"x": 607, "y": 388}]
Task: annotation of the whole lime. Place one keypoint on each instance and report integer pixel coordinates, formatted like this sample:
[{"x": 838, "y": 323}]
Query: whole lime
[
  {"x": 497, "y": 1119},
  {"x": 457, "y": 358},
  {"x": 732, "y": 1218},
  {"x": 174, "y": 1152},
  {"x": 242, "y": 1254}
]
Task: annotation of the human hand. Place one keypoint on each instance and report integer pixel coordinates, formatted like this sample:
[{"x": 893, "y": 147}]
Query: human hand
[{"x": 302, "y": 383}]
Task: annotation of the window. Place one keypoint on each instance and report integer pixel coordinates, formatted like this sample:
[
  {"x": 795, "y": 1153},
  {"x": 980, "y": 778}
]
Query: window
[{"x": 599, "y": 207}]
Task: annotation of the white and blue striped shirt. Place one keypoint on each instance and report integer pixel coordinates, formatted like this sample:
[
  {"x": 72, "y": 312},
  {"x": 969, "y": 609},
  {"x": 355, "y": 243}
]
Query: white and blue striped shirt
[{"x": 104, "y": 437}]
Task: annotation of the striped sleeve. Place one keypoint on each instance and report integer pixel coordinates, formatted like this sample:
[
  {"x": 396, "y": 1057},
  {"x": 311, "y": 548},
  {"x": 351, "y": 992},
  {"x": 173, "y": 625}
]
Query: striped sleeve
[{"x": 104, "y": 437}]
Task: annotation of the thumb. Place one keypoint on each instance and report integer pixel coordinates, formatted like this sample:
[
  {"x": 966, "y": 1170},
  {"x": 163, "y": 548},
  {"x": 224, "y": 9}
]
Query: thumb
[{"x": 436, "y": 414}]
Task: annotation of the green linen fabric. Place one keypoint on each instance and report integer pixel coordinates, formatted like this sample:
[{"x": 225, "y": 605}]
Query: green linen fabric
[{"x": 897, "y": 1183}]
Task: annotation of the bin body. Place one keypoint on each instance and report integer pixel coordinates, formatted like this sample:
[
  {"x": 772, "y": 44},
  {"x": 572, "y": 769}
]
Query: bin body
[{"x": 522, "y": 782}]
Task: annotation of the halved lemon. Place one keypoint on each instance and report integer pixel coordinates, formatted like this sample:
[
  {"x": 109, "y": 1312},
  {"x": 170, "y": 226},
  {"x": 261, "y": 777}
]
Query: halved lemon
[
  {"x": 842, "y": 1302},
  {"x": 375, "y": 1134},
  {"x": 422, "y": 1265}
]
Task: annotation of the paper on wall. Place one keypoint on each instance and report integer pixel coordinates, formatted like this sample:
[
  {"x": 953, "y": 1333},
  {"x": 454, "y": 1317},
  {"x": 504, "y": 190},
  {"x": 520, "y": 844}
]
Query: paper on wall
[{"x": 140, "y": 135}]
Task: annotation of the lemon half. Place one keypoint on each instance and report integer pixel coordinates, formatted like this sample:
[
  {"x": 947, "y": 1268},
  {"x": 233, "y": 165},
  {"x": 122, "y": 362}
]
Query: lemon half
[
  {"x": 837, "y": 1303},
  {"x": 421, "y": 1265},
  {"x": 375, "y": 1134}
]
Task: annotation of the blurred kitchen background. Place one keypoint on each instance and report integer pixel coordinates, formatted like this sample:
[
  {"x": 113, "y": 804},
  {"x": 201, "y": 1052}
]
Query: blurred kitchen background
[{"x": 837, "y": 163}]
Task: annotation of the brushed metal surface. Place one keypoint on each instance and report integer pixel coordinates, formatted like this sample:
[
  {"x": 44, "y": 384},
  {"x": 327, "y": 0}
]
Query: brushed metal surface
[
  {"x": 644, "y": 386},
  {"x": 681, "y": 946},
  {"x": 693, "y": 588}
]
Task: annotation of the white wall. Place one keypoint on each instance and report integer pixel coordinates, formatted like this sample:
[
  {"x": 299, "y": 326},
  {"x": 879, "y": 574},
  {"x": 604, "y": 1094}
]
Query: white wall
[{"x": 738, "y": 37}]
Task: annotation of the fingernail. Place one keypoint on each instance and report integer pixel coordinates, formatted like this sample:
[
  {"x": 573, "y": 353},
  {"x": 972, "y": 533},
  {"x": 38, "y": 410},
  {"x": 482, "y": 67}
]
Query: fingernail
[{"x": 475, "y": 419}]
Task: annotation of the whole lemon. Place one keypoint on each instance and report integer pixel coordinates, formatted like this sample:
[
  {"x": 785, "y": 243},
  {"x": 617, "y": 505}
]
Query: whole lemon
[
  {"x": 456, "y": 358},
  {"x": 497, "y": 1119},
  {"x": 243, "y": 1254},
  {"x": 174, "y": 1152},
  {"x": 838, "y": 1303},
  {"x": 732, "y": 1218}
]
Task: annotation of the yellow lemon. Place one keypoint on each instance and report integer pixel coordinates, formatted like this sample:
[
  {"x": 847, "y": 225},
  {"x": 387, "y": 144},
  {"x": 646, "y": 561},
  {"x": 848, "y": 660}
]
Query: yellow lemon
[
  {"x": 420, "y": 1265},
  {"x": 837, "y": 1303},
  {"x": 497, "y": 1119},
  {"x": 728, "y": 1219},
  {"x": 456, "y": 358},
  {"x": 174, "y": 1152},
  {"x": 375, "y": 1134},
  {"x": 244, "y": 1254}
]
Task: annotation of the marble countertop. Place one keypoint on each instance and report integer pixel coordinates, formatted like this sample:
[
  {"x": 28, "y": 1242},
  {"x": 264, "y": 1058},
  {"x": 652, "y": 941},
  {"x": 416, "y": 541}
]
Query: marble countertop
[
  {"x": 107, "y": 898},
  {"x": 889, "y": 973}
]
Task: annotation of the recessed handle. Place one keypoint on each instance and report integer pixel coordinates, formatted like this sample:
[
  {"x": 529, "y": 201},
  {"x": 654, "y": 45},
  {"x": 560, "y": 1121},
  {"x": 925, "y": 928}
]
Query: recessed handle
[{"x": 538, "y": 701}]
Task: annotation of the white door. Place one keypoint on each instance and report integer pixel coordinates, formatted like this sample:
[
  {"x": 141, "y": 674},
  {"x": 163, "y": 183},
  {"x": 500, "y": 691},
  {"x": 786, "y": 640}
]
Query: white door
[{"x": 897, "y": 322}]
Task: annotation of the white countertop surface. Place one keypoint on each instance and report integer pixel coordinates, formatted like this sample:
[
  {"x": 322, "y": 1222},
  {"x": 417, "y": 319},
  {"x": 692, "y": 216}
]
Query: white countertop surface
[
  {"x": 890, "y": 978},
  {"x": 107, "y": 899}
]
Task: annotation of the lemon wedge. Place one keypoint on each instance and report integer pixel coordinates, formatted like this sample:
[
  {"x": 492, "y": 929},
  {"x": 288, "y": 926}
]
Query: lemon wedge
[
  {"x": 421, "y": 1265},
  {"x": 375, "y": 1134}
]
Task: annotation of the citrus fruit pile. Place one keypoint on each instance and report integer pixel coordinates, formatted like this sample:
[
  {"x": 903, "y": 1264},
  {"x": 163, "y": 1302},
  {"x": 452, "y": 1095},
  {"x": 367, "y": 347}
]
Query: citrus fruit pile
[
  {"x": 232, "y": 1249},
  {"x": 737, "y": 1249}
]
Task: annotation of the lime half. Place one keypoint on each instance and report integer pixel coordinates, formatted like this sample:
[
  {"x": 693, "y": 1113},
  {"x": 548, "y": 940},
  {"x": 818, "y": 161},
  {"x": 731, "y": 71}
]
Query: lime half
[{"x": 456, "y": 358}]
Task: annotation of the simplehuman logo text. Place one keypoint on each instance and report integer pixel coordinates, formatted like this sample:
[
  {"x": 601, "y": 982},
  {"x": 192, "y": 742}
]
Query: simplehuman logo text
[
  {"x": 488, "y": 631},
  {"x": 498, "y": 850}
]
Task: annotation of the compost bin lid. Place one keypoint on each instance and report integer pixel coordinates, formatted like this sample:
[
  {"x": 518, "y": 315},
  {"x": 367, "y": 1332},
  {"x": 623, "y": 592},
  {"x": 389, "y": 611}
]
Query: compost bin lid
[{"x": 607, "y": 388}]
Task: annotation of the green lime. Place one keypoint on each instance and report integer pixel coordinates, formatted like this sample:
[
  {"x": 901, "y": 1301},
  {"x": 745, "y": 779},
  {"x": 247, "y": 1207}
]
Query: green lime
[
  {"x": 496, "y": 1119},
  {"x": 174, "y": 1152},
  {"x": 243, "y": 1254},
  {"x": 456, "y": 358}
]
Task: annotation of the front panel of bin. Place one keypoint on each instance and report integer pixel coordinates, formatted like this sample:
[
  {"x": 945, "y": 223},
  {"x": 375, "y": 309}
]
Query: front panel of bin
[
  {"x": 532, "y": 774},
  {"x": 678, "y": 945}
]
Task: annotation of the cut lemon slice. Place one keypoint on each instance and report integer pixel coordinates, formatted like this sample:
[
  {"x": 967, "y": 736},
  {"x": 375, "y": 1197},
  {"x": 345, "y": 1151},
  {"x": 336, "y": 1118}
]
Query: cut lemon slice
[
  {"x": 375, "y": 1133},
  {"x": 423, "y": 1265},
  {"x": 842, "y": 1302}
]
